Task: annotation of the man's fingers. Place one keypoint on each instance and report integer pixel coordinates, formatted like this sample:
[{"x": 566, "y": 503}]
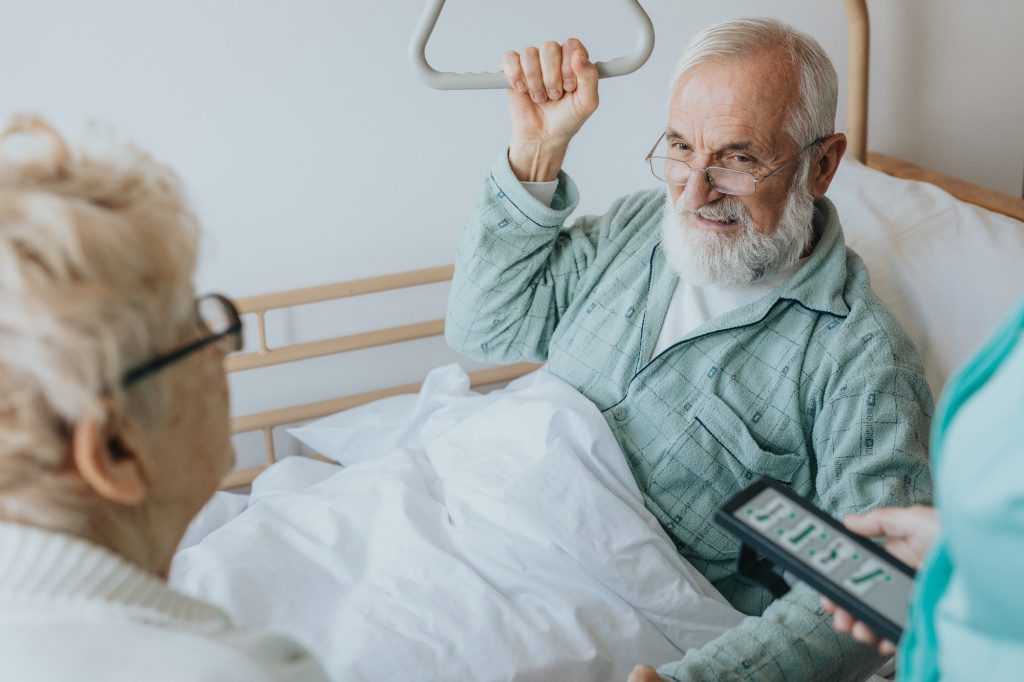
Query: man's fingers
[
  {"x": 530, "y": 61},
  {"x": 551, "y": 68},
  {"x": 568, "y": 75},
  {"x": 513, "y": 71},
  {"x": 586, "y": 79},
  {"x": 886, "y": 648}
]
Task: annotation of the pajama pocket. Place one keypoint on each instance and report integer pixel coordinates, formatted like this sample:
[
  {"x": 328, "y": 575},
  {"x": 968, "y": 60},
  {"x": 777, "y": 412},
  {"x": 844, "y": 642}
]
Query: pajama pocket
[{"x": 740, "y": 458}]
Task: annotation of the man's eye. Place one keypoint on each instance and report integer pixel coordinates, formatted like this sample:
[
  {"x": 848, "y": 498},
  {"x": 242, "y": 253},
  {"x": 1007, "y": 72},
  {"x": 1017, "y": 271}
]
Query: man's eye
[
  {"x": 740, "y": 158},
  {"x": 680, "y": 146}
]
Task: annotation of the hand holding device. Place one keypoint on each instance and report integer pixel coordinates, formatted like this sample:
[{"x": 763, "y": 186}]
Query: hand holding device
[
  {"x": 862, "y": 578},
  {"x": 909, "y": 534}
]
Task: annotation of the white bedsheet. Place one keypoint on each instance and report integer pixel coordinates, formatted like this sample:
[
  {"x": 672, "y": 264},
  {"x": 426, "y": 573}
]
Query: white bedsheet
[{"x": 492, "y": 537}]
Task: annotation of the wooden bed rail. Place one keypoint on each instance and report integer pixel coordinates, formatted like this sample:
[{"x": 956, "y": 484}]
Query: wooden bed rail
[
  {"x": 265, "y": 355},
  {"x": 267, "y": 421},
  {"x": 355, "y": 287},
  {"x": 260, "y": 305}
]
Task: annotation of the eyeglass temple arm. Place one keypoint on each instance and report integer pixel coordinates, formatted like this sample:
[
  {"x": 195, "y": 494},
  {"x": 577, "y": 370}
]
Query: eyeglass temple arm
[
  {"x": 495, "y": 80},
  {"x": 651, "y": 153},
  {"x": 795, "y": 157},
  {"x": 156, "y": 364}
]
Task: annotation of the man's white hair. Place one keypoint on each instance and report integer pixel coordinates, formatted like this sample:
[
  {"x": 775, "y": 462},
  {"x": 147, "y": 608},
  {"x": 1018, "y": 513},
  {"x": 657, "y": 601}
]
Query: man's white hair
[{"x": 814, "y": 115}]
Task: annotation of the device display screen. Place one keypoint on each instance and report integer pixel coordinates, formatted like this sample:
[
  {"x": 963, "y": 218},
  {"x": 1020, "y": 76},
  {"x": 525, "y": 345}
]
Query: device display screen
[{"x": 817, "y": 545}]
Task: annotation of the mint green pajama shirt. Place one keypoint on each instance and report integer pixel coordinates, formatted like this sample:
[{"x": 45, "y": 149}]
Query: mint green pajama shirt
[{"x": 814, "y": 384}]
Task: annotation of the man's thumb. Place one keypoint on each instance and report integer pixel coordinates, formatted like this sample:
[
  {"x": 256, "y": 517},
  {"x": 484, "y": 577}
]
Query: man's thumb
[{"x": 586, "y": 77}]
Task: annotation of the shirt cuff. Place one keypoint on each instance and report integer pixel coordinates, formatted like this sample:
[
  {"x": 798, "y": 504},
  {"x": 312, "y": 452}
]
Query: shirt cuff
[
  {"x": 550, "y": 214},
  {"x": 543, "y": 192}
]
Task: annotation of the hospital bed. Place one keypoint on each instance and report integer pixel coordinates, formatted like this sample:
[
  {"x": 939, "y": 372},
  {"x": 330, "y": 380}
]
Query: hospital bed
[{"x": 946, "y": 256}]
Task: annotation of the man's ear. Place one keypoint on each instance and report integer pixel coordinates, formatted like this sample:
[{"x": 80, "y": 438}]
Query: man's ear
[
  {"x": 824, "y": 169},
  {"x": 107, "y": 464}
]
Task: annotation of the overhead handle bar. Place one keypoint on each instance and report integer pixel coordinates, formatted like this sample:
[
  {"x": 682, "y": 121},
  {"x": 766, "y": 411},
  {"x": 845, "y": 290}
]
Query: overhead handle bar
[{"x": 495, "y": 80}]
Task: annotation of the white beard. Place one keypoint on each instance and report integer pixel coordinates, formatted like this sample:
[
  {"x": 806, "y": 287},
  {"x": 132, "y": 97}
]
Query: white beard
[{"x": 703, "y": 257}]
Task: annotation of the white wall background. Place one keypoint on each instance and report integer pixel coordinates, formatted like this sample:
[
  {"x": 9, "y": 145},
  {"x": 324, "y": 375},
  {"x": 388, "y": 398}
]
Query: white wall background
[{"x": 313, "y": 155}]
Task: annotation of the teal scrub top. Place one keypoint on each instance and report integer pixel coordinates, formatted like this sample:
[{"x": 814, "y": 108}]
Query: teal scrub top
[{"x": 967, "y": 614}]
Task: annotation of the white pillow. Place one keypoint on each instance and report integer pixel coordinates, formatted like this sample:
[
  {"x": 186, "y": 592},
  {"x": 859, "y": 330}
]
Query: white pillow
[{"x": 948, "y": 270}]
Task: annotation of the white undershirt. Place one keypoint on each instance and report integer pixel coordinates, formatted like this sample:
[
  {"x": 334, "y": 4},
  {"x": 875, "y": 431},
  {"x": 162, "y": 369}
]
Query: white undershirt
[{"x": 692, "y": 305}]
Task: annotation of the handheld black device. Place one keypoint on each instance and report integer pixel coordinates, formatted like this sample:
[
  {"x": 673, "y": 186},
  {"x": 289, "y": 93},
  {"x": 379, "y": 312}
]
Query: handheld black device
[{"x": 855, "y": 573}]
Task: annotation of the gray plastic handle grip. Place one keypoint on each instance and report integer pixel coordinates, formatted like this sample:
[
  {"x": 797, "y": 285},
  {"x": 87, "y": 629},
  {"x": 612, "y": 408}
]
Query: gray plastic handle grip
[{"x": 444, "y": 80}]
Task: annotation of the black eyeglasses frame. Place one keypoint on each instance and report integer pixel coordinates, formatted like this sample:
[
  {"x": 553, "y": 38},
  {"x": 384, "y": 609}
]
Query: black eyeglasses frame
[{"x": 160, "y": 362}]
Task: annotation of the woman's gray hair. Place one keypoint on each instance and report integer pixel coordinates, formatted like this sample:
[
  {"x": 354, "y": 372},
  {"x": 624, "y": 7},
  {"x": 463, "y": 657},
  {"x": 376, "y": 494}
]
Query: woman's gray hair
[
  {"x": 97, "y": 252},
  {"x": 814, "y": 116}
]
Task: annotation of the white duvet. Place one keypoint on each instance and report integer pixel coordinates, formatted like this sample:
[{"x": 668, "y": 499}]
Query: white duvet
[{"x": 470, "y": 537}]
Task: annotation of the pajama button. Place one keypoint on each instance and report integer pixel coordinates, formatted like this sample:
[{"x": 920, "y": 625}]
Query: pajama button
[
  {"x": 620, "y": 413},
  {"x": 629, "y": 312}
]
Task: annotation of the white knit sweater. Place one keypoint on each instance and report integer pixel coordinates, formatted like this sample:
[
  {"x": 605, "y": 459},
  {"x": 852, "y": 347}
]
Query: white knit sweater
[{"x": 73, "y": 611}]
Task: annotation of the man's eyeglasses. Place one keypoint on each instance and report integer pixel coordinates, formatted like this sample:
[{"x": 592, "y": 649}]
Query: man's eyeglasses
[
  {"x": 677, "y": 172},
  {"x": 218, "y": 317}
]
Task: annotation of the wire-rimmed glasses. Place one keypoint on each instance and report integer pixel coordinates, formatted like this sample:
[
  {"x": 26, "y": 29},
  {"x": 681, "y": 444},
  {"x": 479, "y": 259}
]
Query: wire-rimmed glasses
[
  {"x": 723, "y": 180},
  {"x": 217, "y": 316}
]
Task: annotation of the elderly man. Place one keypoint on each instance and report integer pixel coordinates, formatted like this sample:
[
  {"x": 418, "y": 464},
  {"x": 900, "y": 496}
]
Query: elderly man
[{"x": 723, "y": 327}]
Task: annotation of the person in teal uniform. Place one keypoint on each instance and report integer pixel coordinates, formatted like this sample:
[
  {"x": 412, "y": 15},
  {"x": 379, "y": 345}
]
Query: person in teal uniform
[{"x": 967, "y": 612}]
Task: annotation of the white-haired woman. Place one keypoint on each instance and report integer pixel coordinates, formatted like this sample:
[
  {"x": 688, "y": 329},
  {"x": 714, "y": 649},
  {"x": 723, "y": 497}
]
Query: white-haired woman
[{"x": 113, "y": 423}]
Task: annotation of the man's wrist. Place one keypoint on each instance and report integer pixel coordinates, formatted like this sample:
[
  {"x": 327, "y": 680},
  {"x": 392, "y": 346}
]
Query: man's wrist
[{"x": 536, "y": 160}]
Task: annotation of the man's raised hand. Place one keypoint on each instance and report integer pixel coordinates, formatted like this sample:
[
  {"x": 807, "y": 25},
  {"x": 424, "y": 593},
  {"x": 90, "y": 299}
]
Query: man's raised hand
[{"x": 552, "y": 92}]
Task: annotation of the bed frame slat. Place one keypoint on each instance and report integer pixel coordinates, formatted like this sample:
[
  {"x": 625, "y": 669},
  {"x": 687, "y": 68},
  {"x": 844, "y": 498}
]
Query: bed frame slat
[
  {"x": 332, "y": 346},
  {"x": 322, "y": 408},
  {"x": 267, "y": 421},
  {"x": 355, "y": 287}
]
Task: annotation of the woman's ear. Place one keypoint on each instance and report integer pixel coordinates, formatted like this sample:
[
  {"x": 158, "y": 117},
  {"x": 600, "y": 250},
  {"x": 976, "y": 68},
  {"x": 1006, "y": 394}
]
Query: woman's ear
[
  {"x": 107, "y": 464},
  {"x": 824, "y": 169}
]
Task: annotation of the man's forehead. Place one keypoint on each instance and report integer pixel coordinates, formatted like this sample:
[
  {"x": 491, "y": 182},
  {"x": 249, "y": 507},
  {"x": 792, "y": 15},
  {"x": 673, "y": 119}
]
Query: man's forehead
[
  {"x": 735, "y": 101},
  {"x": 718, "y": 135},
  {"x": 724, "y": 142}
]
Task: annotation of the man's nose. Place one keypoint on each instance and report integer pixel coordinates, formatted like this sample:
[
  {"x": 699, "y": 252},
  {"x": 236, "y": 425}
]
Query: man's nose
[{"x": 698, "y": 191}]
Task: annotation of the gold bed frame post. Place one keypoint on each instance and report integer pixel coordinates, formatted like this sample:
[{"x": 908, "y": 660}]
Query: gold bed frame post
[{"x": 858, "y": 45}]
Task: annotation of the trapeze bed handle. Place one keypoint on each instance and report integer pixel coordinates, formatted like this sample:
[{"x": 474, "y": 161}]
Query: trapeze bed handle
[{"x": 445, "y": 80}]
